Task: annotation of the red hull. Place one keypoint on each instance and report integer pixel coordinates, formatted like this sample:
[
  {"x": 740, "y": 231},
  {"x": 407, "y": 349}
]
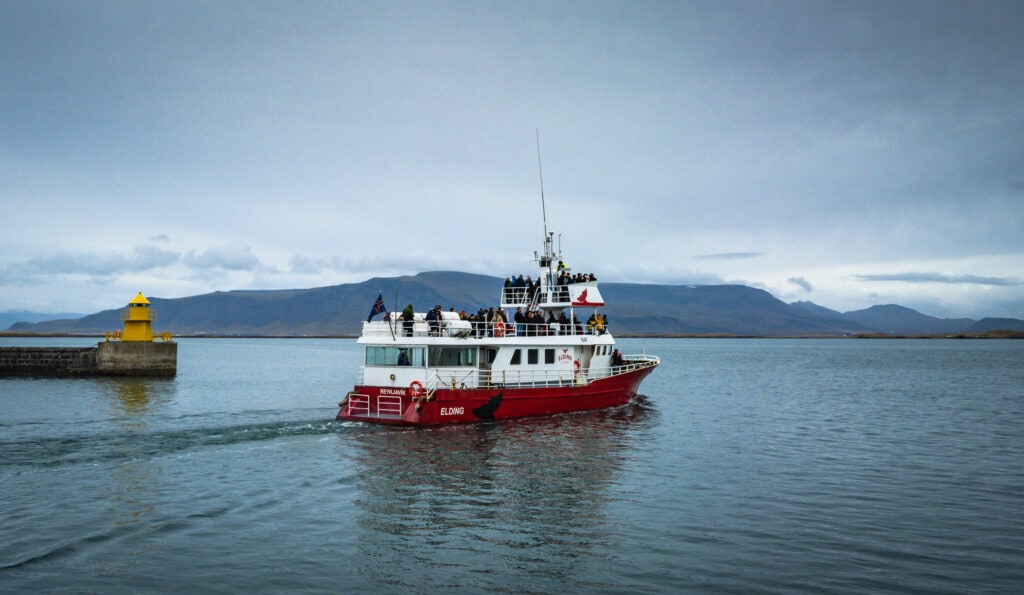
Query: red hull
[{"x": 388, "y": 405}]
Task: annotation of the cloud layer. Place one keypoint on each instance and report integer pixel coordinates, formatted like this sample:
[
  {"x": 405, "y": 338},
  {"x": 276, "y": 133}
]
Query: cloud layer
[{"x": 827, "y": 151}]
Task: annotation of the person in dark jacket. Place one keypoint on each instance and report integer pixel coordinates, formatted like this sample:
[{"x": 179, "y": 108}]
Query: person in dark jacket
[{"x": 407, "y": 317}]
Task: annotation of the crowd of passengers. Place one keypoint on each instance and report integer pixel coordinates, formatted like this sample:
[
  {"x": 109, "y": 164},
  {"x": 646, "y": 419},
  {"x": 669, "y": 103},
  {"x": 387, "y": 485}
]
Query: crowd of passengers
[
  {"x": 564, "y": 279},
  {"x": 492, "y": 322}
]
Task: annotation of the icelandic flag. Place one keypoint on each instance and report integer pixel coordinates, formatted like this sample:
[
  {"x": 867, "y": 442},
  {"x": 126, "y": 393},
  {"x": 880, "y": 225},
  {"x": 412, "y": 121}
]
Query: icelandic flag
[{"x": 378, "y": 307}]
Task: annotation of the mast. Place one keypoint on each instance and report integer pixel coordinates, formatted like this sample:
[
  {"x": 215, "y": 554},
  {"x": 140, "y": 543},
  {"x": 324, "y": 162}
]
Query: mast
[
  {"x": 540, "y": 170},
  {"x": 547, "y": 260}
]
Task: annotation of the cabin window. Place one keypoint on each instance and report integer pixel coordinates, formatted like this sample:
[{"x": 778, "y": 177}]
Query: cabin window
[
  {"x": 532, "y": 356},
  {"x": 517, "y": 357},
  {"x": 549, "y": 356},
  {"x": 451, "y": 357},
  {"x": 394, "y": 356}
]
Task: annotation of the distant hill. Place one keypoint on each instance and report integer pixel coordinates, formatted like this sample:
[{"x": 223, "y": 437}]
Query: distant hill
[
  {"x": 996, "y": 324},
  {"x": 633, "y": 309},
  {"x": 334, "y": 310},
  {"x": 14, "y": 316},
  {"x": 899, "y": 320},
  {"x": 709, "y": 309},
  {"x": 895, "y": 319}
]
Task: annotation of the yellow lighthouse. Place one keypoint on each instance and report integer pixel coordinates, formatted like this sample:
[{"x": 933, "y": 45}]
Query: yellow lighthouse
[
  {"x": 138, "y": 320},
  {"x": 136, "y": 354}
]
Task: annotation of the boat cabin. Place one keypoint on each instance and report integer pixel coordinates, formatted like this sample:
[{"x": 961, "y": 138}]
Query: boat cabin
[{"x": 459, "y": 360}]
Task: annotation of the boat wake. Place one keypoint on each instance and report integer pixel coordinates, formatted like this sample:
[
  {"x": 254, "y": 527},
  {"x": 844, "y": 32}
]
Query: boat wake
[{"x": 133, "y": 444}]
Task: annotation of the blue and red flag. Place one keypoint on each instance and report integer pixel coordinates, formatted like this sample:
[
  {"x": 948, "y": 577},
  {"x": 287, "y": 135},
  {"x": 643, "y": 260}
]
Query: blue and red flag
[{"x": 378, "y": 307}]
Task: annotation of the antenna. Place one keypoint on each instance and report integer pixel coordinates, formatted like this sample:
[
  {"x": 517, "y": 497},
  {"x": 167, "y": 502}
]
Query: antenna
[{"x": 540, "y": 170}]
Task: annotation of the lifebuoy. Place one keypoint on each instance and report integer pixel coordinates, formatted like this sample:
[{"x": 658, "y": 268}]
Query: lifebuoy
[
  {"x": 499, "y": 329},
  {"x": 415, "y": 389},
  {"x": 578, "y": 372}
]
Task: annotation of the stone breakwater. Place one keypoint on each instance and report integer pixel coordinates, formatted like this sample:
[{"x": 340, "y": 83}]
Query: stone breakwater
[{"x": 105, "y": 359}]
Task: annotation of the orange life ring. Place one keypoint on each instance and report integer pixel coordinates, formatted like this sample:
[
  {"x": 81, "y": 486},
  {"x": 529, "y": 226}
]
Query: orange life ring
[
  {"x": 499, "y": 329},
  {"x": 415, "y": 389}
]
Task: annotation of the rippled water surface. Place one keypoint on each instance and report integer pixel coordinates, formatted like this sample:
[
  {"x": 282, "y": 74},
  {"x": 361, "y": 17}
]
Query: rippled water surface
[{"x": 746, "y": 465}]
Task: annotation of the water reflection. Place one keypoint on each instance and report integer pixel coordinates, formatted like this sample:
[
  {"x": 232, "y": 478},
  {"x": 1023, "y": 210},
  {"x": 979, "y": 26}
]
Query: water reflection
[
  {"x": 135, "y": 482},
  {"x": 524, "y": 497},
  {"x": 133, "y": 398}
]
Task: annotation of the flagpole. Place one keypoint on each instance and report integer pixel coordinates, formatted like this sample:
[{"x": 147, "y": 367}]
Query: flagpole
[{"x": 393, "y": 317}]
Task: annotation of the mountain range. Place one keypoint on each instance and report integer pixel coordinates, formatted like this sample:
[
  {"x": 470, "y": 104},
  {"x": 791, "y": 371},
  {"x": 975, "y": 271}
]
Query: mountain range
[{"x": 633, "y": 309}]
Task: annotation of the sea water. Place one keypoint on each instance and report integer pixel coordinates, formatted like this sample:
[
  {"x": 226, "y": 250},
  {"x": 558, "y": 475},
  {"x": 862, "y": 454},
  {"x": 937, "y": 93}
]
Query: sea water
[{"x": 744, "y": 466}]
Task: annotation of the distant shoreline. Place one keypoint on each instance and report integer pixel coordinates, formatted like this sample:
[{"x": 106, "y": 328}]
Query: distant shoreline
[{"x": 989, "y": 335}]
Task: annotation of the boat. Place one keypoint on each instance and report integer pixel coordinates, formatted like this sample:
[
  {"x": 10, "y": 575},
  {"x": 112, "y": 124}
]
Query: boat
[{"x": 437, "y": 367}]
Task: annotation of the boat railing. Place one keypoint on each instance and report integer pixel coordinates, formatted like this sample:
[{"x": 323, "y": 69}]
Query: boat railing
[
  {"x": 383, "y": 406},
  {"x": 636, "y": 361},
  {"x": 525, "y": 296},
  {"x": 478, "y": 329},
  {"x": 538, "y": 378}
]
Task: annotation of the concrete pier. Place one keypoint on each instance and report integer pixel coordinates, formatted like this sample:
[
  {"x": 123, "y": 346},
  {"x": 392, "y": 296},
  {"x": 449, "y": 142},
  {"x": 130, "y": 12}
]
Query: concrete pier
[
  {"x": 48, "y": 361},
  {"x": 105, "y": 359},
  {"x": 132, "y": 352},
  {"x": 137, "y": 359}
]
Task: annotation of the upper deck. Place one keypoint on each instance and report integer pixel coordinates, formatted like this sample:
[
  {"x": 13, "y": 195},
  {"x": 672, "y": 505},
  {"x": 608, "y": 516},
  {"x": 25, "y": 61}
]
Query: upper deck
[
  {"x": 527, "y": 309},
  {"x": 451, "y": 326},
  {"x": 552, "y": 297}
]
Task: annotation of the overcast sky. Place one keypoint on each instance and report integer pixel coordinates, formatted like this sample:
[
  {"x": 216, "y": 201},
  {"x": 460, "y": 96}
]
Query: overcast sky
[{"x": 847, "y": 153}]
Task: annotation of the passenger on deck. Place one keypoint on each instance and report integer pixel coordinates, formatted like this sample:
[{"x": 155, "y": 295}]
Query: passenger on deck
[
  {"x": 478, "y": 323},
  {"x": 520, "y": 319},
  {"x": 434, "y": 321},
  {"x": 617, "y": 360},
  {"x": 408, "y": 314}
]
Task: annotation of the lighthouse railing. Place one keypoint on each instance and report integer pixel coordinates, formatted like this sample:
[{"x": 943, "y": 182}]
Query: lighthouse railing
[{"x": 126, "y": 314}]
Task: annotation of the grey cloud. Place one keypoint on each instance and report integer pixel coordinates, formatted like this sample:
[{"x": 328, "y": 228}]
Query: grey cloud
[
  {"x": 141, "y": 258},
  {"x": 802, "y": 283},
  {"x": 732, "y": 256},
  {"x": 411, "y": 263},
  {"x": 304, "y": 265},
  {"x": 100, "y": 267},
  {"x": 230, "y": 257},
  {"x": 912, "y": 277}
]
